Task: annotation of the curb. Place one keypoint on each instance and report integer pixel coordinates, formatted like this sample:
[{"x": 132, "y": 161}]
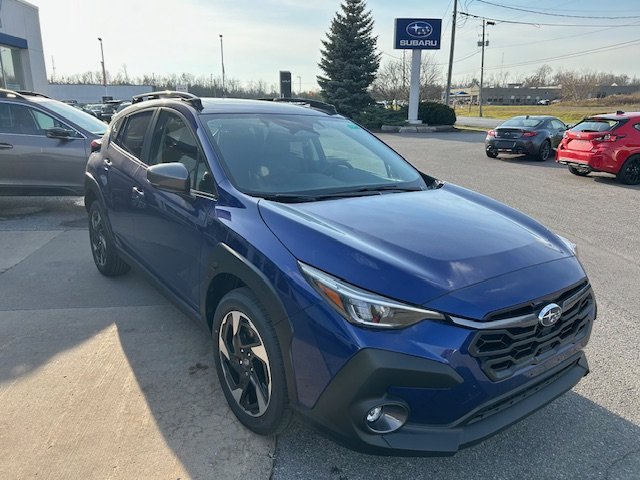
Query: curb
[{"x": 417, "y": 128}]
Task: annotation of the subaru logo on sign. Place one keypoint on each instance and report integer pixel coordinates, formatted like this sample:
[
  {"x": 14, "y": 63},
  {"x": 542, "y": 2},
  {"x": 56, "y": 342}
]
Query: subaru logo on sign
[
  {"x": 419, "y": 29},
  {"x": 549, "y": 315}
]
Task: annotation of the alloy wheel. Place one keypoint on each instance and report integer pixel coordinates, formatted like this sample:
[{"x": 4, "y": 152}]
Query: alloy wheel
[
  {"x": 98, "y": 238},
  {"x": 245, "y": 363},
  {"x": 545, "y": 150},
  {"x": 632, "y": 171}
]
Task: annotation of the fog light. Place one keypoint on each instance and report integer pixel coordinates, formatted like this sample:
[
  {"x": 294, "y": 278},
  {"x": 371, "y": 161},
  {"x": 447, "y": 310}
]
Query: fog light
[
  {"x": 374, "y": 414},
  {"x": 386, "y": 418}
]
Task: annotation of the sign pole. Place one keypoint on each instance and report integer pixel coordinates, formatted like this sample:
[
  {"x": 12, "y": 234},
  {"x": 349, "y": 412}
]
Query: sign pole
[
  {"x": 414, "y": 92},
  {"x": 416, "y": 34}
]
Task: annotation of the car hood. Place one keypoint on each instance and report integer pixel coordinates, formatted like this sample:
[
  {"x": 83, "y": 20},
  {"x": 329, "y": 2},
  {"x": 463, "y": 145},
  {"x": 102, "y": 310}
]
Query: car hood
[{"x": 413, "y": 246}]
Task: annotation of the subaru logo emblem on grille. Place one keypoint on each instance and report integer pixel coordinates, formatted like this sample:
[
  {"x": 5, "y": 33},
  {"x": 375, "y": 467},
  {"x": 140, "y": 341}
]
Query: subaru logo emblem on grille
[{"x": 549, "y": 315}]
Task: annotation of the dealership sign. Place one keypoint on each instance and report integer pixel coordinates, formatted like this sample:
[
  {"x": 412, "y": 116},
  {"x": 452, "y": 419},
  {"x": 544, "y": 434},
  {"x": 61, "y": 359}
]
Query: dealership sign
[{"x": 418, "y": 33}]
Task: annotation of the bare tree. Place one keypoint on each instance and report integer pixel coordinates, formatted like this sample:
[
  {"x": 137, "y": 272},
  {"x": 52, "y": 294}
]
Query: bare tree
[
  {"x": 392, "y": 80},
  {"x": 540, "y": 77}
]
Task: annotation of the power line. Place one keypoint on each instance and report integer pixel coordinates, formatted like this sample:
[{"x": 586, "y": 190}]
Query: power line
[
  {"x": 538, "y": 24},
  {"x": 510, "y": 7},
  {"x": 606, "y": 48},
  {"x": 581, "y": 34}
]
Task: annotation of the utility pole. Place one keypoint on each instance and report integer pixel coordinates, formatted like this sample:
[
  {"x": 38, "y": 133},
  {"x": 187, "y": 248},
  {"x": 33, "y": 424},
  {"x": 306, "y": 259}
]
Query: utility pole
[
  {"x": 485, "y": 22},
  {"x": 104, "y": 71},
  {"x": 453, "y": 41},
  {"x": 222, "y": 62}
]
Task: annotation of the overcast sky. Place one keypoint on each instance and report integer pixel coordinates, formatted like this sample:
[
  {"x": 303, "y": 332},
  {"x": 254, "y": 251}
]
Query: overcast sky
[{"x": 262, "y": 37}]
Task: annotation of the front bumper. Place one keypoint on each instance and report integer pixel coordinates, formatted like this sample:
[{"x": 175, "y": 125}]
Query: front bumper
[{"x": 371, "y": 376}]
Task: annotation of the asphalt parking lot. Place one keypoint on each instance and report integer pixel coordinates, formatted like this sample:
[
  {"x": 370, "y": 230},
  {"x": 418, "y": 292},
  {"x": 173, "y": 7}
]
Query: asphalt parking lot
[{"x": 103, "y": 378}]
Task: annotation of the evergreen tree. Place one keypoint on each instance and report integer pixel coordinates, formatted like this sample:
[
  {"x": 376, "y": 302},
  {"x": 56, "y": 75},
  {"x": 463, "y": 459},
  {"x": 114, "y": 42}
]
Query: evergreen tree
[{"x": 349, "y": 59}]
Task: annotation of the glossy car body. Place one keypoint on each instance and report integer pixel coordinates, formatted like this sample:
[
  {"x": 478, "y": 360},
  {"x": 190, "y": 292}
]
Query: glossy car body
[
  {"x": 536, "y": 136},
  {"x": 467, "y": 279},
  {"x": 604, "y": 143},
  {"x": 44, "y": 144}
]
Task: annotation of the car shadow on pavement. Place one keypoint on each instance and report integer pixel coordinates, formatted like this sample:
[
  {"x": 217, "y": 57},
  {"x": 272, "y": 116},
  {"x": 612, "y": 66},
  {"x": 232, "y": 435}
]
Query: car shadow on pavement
[
  {"x": 528, "y": 160},
  {"x": 570, "y": 438},
  {"x": 102, "y": 374},
  {"x": 611, "y": 181}
]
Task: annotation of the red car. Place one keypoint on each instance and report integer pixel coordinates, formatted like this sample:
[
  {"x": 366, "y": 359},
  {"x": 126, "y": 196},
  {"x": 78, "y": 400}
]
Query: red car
[{"x": 604, "y": 143}]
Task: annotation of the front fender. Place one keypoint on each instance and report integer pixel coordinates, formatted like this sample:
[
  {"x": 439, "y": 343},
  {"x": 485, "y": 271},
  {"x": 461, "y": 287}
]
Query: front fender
[{"x": 225, "y": 261}]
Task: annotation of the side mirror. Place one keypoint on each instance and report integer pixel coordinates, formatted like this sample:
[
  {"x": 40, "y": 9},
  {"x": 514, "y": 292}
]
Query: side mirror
[
  {"x": 59, "y": 132},
  {"x": 170, "y": 177}
]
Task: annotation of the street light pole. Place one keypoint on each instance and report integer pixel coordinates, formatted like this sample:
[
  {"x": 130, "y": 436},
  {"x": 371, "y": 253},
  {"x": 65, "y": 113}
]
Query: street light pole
[
  {"x": 484, "y": 23},
  {"x": 299, "y": 84},
  {"x": 222, "y": 63},
  {"x": 104, "y": 71}
]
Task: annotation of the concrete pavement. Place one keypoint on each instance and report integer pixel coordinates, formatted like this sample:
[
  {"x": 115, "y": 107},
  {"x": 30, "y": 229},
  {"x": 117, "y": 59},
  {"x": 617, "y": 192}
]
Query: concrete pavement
[{"x": 103, "y": 378}]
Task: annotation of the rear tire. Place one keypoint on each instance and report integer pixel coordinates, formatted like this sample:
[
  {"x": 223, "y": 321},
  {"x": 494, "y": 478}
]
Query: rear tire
[
  {"x": 545, "y": 151},
  {"x": 104, "y": 252},
  {"x": 491, "y": 153},
  {"x": 578, "y": 172},
  {"x": 249, "y": 363},
  {"x": 629, "y": 174}
]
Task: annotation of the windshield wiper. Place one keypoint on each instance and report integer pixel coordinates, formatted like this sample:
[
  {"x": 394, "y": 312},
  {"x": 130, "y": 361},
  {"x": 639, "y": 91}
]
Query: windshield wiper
[
  {"x": 290, "y": 197},
  {"x": 358, "y": 192},
  {"x": 387, "y": 188}
]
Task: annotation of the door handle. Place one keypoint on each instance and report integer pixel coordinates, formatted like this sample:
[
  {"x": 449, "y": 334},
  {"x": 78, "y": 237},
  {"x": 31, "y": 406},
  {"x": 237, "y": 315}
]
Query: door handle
[
  {"x": 6, "y": 145},
  {"x": 107, "y": 163},
  {"x": 138, "y": 192}
]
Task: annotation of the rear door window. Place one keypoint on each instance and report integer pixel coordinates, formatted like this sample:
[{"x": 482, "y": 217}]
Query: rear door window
[{"x": 132, "y": 137}]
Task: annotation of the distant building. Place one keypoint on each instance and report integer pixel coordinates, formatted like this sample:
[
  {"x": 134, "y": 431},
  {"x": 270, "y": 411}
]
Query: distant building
[
  {"x": 95, "y": 93},
  {"x": 22, "y": 64},
  {"x": 517, "y": 94}
]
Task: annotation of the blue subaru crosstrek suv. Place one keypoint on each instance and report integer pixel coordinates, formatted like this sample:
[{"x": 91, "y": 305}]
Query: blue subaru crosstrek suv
[{"x": 398, "y": 313}]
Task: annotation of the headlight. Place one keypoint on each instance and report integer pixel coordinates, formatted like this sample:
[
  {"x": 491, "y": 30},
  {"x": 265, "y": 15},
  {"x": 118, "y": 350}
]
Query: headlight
[
  {"x": 573, "y": 248},
  {"x": 364, "y": 308}
]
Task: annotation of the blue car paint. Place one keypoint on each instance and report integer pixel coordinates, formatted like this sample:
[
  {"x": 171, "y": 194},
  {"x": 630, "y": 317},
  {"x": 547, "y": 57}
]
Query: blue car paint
[
  {"x": 449, "y": 249},
  {"x": 415, "y": 246}
]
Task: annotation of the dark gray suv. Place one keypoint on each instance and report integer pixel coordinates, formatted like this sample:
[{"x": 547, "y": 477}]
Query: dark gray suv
[{"x": 44, "y": 144}]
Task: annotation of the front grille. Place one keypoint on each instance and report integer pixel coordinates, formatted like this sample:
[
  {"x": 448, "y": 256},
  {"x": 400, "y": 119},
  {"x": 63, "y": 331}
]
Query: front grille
[{"x": 502, "y": 352}]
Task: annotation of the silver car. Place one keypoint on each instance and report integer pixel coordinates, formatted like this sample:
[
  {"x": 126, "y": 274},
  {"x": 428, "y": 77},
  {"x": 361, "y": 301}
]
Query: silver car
[{"x": 44, "y": 144}]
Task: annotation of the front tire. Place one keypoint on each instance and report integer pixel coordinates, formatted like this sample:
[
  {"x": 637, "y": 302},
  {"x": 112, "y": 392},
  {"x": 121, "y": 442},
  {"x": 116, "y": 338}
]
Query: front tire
[
  {"x": 104, "y": 252},
  {"x": 629, "y": 174},
  {"x": 491, "y": 153},
  {"x": 249, "y": 363}
]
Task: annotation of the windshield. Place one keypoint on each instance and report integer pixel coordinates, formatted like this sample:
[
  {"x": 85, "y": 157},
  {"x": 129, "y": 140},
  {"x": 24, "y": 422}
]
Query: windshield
[
  {"x": 595, "y": 125},
  {"x": 80, "y": 118},
  {"x": 520, "y": 122},
  {"x": 306, "y": 157}
]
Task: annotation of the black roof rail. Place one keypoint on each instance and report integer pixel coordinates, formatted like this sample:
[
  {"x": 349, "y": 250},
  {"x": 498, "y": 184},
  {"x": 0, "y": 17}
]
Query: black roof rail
[
  {"x": 27, "y": 93},
  {"x": 307, "y": 102},
  {"x": 184, "y": 96}
]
